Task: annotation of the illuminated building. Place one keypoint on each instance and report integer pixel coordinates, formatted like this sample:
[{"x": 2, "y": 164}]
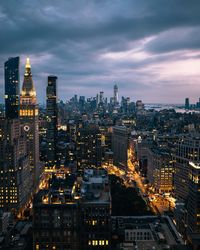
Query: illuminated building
[
  {"x": 29, "y": 120},
  {"x": 187, "y": 149},
  {"x": 55, "y": 217},
  {"x": 88, "y": 146},
  {"x": 11, "y": 69},
  {"x": 82, "y": 103},
  {"x": 52, "y": 116},
  {"x": 160, "y": 170},
  {"x": 95, "y": 210},
  {"x": 15, "y": 178},
  {"x": 120, "y": 146},
  {"x": 193, "y": 204},
  {"x": 73, "y": 213}
]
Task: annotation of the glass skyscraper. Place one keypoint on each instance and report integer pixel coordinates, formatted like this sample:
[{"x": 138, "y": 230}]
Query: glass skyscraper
[{"x": 12, "y": 89}]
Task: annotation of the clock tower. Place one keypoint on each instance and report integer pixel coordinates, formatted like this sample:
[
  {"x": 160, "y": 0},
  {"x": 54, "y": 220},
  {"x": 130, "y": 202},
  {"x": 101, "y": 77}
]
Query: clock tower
[{"x": 29, "y": 120}]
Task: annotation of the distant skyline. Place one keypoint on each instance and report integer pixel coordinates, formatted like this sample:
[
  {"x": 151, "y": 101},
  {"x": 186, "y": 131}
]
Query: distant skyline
[{"x": 149, "y": 48}]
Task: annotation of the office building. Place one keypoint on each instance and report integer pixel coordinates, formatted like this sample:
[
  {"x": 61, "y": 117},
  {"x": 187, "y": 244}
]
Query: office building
[
  {"x": 15, "y": 178},
  {"x": 52, "y": 117},
  {"x": 11, "y": 74},
  {"x": 193, "y": 205},
  {"x": 82, "y": 103},
  {"x": 55, "y": 215},
  {"x": 160, "y": 170},
  {"x": 101, "y": 97},
  {"x": 116, "y": 95},
  {"x": 187, "y": 103},
  {"x": 120, "y": 146},
  {"x": 89, "y": 146},
  {"x": 73, "y": 213},
  {"x": 187, "y": 149},
  {"x": 95, "y": 207},
  {"x": 29, "y": 120},
  {"x": 145, "y": 233}
]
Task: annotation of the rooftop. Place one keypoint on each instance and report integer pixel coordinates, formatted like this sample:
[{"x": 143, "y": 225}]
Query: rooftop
[
  {"x": 91, "y": 187},
  {"x": 162, "y": 232}
]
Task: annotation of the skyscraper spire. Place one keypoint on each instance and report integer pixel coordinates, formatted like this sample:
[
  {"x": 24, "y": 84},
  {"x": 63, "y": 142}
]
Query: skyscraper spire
[
  {"x": 28, "y": 65},
  {"x": 28, "y": 88},
  {"x": 115, "y": 97},
  {"x": 29, "y": 119}
]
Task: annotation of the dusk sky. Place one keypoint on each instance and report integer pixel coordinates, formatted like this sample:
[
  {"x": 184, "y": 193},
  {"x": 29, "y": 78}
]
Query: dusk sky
[{"x": 150, "y": 48}]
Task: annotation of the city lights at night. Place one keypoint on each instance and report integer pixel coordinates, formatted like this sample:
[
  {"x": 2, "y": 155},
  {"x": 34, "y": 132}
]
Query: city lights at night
[{"x": 99, "y": 125}]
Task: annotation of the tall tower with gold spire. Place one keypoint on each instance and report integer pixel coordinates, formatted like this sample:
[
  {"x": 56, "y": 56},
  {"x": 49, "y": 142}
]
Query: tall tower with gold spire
[{"x": 29, "y": 119}]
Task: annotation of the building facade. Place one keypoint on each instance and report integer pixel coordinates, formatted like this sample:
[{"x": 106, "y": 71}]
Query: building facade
[
  {"x": 29, "y": 120},
  {"x": 88, "y": 146},
  {"x": 52, "y": 119},
  {"x": 15, "y": 178},
  {"x": 73, "y": 213},
  {"x": 193, "y": 205},
  {"x": 120, "y": 146},
  {"x": 187, "y": 149},
  {"x": 11, "y": 74}
]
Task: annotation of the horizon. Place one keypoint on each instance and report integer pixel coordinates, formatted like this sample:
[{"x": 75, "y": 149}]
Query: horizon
[{"x": 149, "y": 50}]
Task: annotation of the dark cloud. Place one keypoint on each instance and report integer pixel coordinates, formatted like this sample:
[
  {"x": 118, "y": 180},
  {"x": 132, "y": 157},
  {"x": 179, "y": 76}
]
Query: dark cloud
[{"x": 73, "y": 39}]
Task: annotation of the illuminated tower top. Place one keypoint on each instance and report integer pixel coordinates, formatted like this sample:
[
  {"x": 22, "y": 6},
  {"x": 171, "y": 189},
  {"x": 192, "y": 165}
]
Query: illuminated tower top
[{"x": 28, "y": 89}]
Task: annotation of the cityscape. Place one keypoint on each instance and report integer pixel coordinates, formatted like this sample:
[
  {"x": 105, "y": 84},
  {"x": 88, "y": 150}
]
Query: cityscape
[{"x": 98, "y": 167}]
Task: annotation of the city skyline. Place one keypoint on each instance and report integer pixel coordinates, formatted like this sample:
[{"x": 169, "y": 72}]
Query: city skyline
[{"x": 150, "y": 50}]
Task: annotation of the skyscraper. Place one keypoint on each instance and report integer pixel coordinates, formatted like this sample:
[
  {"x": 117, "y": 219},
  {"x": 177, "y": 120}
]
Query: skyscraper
[
  {"x": 187, "y": 103},
  {"x": 15, "y": 179},
  {"x": 29, "y": 119},
  {"x": 11, "y": 72},
  {"x": 193, "y": 204},
  {"x": 187, "y": 149},
  {"x": 115, "y": 97},
  {"x": 52, "y": 117},
  {"x": 120, "y": 146},
  {"x": 88, "y": 146}
]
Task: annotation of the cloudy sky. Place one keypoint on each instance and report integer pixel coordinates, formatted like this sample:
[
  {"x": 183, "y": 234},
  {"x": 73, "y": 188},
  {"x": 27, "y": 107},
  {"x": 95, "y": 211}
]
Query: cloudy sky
[{"x": 150, "y": 48}]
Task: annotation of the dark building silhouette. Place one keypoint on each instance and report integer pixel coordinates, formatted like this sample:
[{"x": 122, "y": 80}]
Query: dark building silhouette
[
  {"x": 52, "y": 119},
  {"x": 11, "y": 72},
  {"x": 187, "y": 103},
  {"x": 120, "y": 146}
]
